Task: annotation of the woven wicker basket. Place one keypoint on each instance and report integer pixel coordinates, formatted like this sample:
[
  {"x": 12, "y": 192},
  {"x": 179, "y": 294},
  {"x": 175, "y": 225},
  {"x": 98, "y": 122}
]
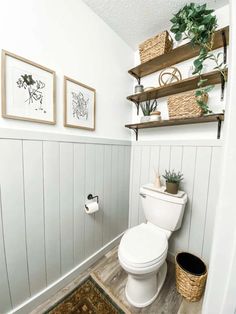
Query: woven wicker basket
[
  {"x": 184, "y": 105},
  {"x": 191, "y": 286},
  {"x": 155, "y": 46}
]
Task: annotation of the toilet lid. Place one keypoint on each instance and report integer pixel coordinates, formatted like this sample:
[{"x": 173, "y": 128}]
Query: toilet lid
[{"x": 143, "y": 244}]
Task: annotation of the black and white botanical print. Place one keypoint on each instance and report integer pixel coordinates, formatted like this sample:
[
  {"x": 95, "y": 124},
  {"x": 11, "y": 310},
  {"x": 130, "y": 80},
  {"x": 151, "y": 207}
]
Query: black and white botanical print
[
  {"x": 34, "y": 90},
  {"x": 79, "y": 106}
]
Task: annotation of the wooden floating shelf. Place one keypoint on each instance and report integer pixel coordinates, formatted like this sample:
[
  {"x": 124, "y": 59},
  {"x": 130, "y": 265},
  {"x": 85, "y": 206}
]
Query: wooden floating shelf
[
  {"x": 175, "y": 88},
  {"x": 154, "y": 124},
  {"x": 178, "y": 55}
]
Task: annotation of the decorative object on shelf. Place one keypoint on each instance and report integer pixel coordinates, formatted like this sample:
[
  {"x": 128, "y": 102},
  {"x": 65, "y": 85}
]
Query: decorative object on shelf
[
  {"x": 169, "y": 75},
  {"x": 198, "y": 24},
  {"x": 28, "y": 90},
  {"x": 147, "y": 108},
  {"x": 157, "y": 182},
  {"x": 155, "y": 46},
  {"x": 155, "y": 116},
  {"x": 79, "y": 105},
  {"x": 185, "y": 105},
  {"x": 173, "y": 180},
  {"x": 146, "y": 89},
  {"x": 138, "y": 89}
]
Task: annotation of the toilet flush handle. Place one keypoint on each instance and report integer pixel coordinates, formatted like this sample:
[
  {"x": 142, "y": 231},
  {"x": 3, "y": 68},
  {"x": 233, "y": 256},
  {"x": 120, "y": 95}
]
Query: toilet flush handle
[{"x": 142, "y": 195}]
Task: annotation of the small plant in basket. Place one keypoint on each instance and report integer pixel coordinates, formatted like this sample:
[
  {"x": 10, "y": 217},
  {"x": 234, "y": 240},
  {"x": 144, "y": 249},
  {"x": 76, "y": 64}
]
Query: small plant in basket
[{"x": 173, "y": 180}]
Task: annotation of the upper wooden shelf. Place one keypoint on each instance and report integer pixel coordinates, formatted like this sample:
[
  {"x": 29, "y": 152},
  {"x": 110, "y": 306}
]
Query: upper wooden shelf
[
  {"x": 177, "y": 55},
  {"x": 213, "y": 77}
]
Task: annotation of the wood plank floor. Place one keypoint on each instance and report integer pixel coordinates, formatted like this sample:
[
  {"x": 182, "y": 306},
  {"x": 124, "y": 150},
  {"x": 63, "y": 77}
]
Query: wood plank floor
[{"x": 112, "y": 278}]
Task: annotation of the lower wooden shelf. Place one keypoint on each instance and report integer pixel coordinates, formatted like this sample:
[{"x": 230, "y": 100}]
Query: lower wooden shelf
[{"x": 155, "y": 124}]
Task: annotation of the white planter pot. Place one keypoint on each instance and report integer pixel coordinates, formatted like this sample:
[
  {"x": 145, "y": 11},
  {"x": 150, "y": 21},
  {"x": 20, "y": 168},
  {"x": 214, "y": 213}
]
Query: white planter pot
[{"x": 145, "y": 119}]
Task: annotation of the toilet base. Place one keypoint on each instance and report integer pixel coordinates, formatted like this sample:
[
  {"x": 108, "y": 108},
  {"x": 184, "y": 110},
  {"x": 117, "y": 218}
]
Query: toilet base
[{"x": 142, "y": 290}]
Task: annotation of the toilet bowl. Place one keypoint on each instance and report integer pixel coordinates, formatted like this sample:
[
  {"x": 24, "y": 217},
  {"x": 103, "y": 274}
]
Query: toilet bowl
[
  {"x": 142, "y": 253},
  {"x": 143, "y": 249}
]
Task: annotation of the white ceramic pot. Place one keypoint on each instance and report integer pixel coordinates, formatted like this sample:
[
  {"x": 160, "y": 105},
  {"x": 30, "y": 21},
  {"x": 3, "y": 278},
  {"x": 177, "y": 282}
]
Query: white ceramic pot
[{"x": 145, "y": 119}]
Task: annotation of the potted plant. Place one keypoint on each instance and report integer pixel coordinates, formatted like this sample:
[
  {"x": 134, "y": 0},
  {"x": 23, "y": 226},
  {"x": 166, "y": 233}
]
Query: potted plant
[
  {"x": 173, "y": 180},
  {"x": 147, "y": 108},
  {"x": 197, "y": 23}
]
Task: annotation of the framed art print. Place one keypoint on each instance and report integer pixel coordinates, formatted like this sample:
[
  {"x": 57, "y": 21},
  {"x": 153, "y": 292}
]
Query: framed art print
[
  {"x": 28, "y": 90},
  {"x": 79, "y": 105}
]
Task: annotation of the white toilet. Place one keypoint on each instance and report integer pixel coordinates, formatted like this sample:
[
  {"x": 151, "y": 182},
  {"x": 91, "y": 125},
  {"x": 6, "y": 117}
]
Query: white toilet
[{"x": 143, "y": 249}]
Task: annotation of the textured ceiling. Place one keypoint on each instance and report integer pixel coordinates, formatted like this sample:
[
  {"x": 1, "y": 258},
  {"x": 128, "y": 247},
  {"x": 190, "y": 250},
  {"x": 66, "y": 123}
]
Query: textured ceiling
[{"x": 136, "y": 20}]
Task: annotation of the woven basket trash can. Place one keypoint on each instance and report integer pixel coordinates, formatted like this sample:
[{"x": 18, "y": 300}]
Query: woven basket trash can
[{"x": 191, "y": 275}]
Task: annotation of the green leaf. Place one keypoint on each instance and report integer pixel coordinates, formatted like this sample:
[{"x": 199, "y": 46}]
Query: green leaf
[{"x": 178, "y": 36}]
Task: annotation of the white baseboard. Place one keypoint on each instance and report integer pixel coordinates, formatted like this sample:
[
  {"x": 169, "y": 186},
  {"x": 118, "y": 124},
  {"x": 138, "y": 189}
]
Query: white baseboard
[{"x": 45, "y": 294}]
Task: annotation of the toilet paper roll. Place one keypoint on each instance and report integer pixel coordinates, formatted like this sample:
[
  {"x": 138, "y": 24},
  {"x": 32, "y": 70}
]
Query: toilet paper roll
[{"x": 91, "y": 208}]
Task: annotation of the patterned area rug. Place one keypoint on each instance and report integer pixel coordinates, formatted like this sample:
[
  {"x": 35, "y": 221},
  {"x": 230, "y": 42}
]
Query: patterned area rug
[{"x": 87, "y": 298}]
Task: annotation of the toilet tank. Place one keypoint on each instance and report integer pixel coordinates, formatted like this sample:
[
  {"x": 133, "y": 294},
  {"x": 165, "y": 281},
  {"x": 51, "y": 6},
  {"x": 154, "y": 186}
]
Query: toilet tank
[{"x": 161, "y": 209}]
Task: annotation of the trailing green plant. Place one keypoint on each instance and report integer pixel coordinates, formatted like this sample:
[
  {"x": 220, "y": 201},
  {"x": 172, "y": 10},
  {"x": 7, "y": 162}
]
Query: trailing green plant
[
  {"x": 197, "y": 23},
  {"x": 148, "y": 107},
  {"x": 173, "y": 177}
]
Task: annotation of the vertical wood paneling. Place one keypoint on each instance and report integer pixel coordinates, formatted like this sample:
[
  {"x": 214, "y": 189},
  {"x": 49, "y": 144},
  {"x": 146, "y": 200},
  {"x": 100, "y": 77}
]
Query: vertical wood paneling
[
  {"x": 114, "y": 190},
  {"x": 89, "y": 189},
  {"x": 176, "y": 155},
  {"x": 213, "y": 193},
  {"x": 5, "y": 298},
  {"x": 99, "y": 171},
  {"x": 144, "y": 177},
  {"x": 67, "y": 206},
  {"x": 121, "y": 191},
  {"x": 34, "y": 212},
  {"x": 164, "y": 160},
  {"x": 107, "y": 193},
  {"x": 79, "y": 201},
  {"x": 13, "y": 215},
  {"x": 51, "y": 175},
  {"x": 200, "y": 195},
  {"x": 180, "y": 238},
  {"x": 154, "y": 162},
  {"x": 135, "y": 179},
  {"x": 44, "y": 230},
  {"x": 125, "y": 190}
]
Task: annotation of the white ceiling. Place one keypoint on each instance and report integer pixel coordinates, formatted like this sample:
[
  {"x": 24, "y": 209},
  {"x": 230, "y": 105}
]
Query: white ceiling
[{"x": 136, "y": 20}]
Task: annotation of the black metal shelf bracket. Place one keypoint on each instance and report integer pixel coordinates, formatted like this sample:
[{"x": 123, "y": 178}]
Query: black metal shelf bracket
[
  {"x": 224, "y": 46},
  {"x": 225, "y": 61},
  {"x": 219, "y": 128},
  {"x": 136, "y": 133},
  {"x": 137, "y": 104}
]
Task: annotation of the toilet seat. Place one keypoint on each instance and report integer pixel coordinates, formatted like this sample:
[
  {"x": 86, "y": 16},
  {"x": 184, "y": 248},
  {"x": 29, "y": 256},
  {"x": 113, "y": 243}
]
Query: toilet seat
[{"x": 143, "y": 246}]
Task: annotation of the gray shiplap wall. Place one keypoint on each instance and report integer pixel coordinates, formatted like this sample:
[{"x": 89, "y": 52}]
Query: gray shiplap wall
[
  {"x": 44, "y": 231},
  {"x": 200, "y": 163}
]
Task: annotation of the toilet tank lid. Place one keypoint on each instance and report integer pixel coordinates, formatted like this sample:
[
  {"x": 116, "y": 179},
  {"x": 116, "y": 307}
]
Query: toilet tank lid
[{"x": 150, "y": 190}]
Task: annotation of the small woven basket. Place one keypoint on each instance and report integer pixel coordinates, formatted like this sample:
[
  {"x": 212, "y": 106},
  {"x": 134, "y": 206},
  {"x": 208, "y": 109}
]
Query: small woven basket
[
  {"x": 191, "y": 275},
  {"x": 184, "y": 105},
  {"x": 155, "y": 46}
]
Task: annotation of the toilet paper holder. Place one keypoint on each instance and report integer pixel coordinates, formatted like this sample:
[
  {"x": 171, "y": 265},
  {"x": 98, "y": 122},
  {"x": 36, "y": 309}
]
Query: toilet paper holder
[{"x": 91, "y": 197}]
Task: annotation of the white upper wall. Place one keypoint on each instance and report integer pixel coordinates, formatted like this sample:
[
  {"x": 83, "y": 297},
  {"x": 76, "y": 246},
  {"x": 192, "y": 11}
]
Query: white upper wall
[
  {"x": 66, "y": 36},
  {"x": 197, "y": 131}
]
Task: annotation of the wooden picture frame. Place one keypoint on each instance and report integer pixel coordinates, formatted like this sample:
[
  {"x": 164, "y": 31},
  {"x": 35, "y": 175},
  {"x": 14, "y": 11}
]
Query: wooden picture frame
[
  {"x": 79, "y": 105},
  {"x": 28, "y": 90}
]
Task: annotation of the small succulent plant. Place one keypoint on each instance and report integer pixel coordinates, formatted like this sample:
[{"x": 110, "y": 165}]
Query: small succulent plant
[
  {"x": 149, "y": 107},
  {"x": 172, "y": 176}
]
